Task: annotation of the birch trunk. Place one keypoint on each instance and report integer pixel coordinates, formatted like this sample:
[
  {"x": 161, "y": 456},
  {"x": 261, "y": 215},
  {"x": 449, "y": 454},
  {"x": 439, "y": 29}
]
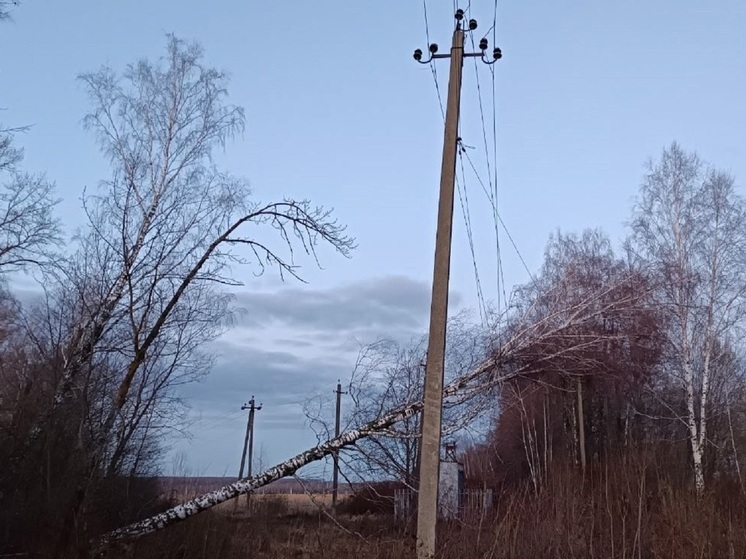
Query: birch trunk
[
  {"x": 289, "y": 467},
  {"x": 243, "y": 486},
  {"x": 694, "y": 440}
]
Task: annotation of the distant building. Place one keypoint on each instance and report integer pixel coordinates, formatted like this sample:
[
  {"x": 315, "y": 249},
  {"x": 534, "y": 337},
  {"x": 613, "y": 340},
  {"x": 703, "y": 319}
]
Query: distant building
[
  {"x": 452, "y": 494},
  {"x": 450, "y": 484}
]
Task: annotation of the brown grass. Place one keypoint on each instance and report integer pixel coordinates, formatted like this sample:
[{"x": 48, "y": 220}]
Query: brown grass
[
  {"x": 270, "y": 533},
  {"x": 630, "y": 511}
]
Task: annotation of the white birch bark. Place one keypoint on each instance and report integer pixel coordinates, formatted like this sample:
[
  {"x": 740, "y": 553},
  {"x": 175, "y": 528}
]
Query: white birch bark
[
  {"x": 284, "y": 469},
  {"x": 692, "y": 424}
]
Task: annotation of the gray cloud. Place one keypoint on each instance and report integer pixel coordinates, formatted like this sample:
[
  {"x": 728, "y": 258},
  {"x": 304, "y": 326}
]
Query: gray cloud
[
  {"x": 390, "y": 305},
  {"x": 292, "y": 345},
  {"x": 275, "y": 377}
]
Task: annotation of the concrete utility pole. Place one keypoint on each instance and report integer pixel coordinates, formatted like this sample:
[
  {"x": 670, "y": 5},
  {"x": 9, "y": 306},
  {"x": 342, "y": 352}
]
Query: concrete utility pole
[
  {"x": 427, "y": 503},
  {"x": 248, "y": 440},
  {"x": 335, "y": 478}
]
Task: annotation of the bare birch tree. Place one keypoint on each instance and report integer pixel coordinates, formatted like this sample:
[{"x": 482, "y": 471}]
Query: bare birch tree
[
  {"x": 143, "y": 289},
  {"x": 162, "y": 229},
  {"x": 689, "y": 228}
]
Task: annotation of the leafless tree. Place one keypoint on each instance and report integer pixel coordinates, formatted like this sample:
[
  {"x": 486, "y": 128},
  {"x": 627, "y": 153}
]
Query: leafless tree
[
  {"x": 586, "y": 375},
  {"x": 10, "y": 154},
  {"x": 161, "y": 231},
  {"x": 28, "y": 226},
  {"x": 689, "y": 227},
  {"x": 143, "y": 289},
  {"x": 389, "y": 374}
]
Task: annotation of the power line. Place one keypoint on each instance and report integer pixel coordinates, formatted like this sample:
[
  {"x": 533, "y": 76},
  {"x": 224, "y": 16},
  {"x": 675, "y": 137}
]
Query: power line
[
  {"x": 493, "y": 27},
  {"x": 492, "y": 193},
  {"x": 433, "y": 70},
  {"x": 484, "y": 187},
  {"x": 500, "y": 268},
  {"x": 219, "y": 421},
  {"x": 464, "y": 201},
  {"x": 481, "y": 115}
]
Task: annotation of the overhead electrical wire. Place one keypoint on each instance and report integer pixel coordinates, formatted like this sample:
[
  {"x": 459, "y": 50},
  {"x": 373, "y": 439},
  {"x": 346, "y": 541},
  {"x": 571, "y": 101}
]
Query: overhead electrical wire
[
  {"x": 464, "y": 201},
  {"x": 433, "y": 70},
  {"x": 218, "y": 421},
  {"x": 500, "y": 268},
  {"x": 492, "y": 193},
  {"x": 500, "y": 219}
]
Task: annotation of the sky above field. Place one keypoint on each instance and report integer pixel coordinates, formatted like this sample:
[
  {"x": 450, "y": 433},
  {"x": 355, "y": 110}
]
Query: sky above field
[{"x": 338, "y": 112}]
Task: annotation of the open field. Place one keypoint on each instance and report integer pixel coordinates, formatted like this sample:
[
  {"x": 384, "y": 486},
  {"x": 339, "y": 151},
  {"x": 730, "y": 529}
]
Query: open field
[
  {"x": 294, "y": 496},
  {"x": 288, "y": 503}
]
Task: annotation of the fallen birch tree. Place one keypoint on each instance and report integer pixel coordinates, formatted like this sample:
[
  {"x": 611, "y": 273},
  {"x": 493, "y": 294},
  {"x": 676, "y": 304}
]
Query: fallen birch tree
[
  {"x": 289, "y": 467},
  {"x": 504, "y": 365}
]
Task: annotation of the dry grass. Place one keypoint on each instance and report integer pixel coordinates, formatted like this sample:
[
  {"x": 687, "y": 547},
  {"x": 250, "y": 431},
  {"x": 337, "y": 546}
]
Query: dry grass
[
  {"x": 282, "y": 503},
  {"x": 629, "y": 512},
  {"x": 262, "y": 535}
]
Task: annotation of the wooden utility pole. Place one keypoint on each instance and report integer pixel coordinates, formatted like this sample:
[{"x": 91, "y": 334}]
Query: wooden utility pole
[
  {"x": 429, "y": 475},
  {"x": 335, "y": 475},
  {"x": 248, "y": 441}
]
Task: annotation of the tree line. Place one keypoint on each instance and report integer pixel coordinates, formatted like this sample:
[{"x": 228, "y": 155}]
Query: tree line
[{"x": 661, "y": 365}]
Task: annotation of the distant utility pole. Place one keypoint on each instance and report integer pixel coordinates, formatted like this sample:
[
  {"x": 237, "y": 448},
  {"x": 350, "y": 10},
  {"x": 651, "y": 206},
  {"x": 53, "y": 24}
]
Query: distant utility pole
[
  {"x": 427, "y": 503},
  {"x": 335, "y": 478},
  {"x": 249, "y": 440}
]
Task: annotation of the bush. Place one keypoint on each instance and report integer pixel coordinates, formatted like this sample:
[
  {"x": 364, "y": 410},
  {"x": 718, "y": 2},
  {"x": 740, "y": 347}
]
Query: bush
[{"x": 373, "y": 498}]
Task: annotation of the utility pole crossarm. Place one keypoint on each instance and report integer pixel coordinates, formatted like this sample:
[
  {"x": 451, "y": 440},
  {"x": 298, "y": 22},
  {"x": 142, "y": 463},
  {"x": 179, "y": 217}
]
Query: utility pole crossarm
[
  {"x": 483, "y": 44},
  {"x": 429, "y": 476}
]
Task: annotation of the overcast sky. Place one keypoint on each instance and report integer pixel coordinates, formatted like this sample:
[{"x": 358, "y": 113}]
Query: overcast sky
[{"x": 338, "y": 111}]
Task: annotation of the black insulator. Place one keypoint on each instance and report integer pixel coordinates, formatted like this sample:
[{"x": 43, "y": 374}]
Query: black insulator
[
  {"x": 433, "y": 47},
  {"x": 418, "y": 55},
  {"x": 483, "y": 44},
  {"x": 459, "y": 14},
  {"x": 497, "y": 54},
  {"x": 472, "y": 24}
]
